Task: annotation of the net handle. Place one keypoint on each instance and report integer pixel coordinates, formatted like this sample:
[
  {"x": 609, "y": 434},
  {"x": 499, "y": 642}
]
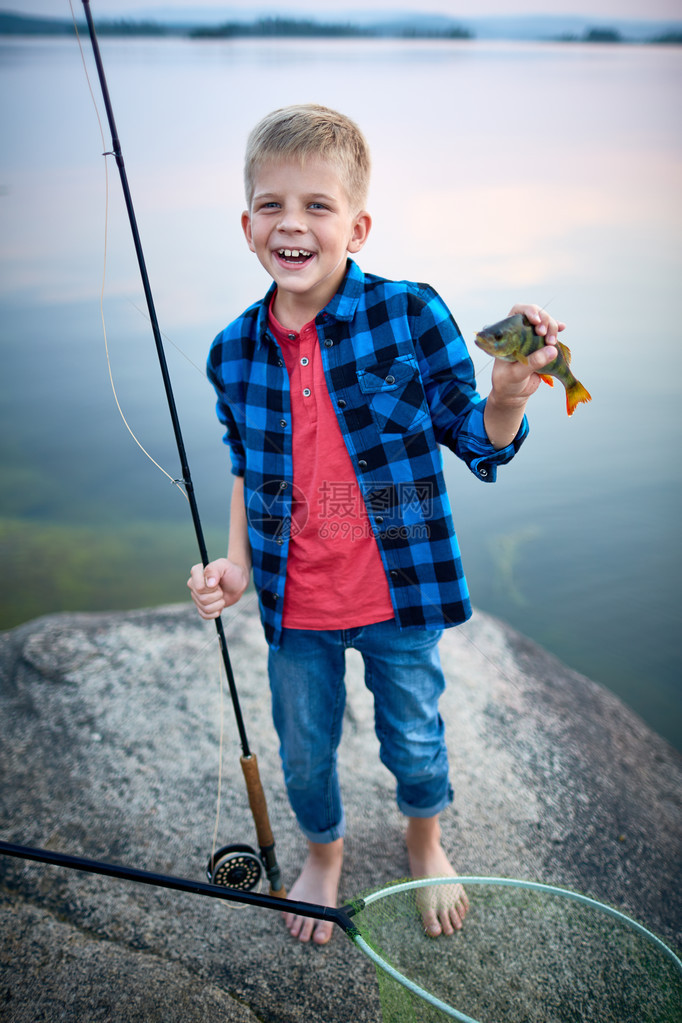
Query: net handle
[{"x": 342, "y": 917}]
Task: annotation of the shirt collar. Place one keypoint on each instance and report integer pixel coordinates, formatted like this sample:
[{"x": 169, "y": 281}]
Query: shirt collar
[
  {"x": 345, "y": 301},
  {"x": 341, "y": 307}
]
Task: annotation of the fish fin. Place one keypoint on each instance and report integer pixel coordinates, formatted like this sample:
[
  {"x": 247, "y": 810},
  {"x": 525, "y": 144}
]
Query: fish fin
[
  {"x": 565, "y": 351},
  {"x": 575, "y": 394},
  {"x": 546, "y": 378},
  {"x": 520, "y": 357}
]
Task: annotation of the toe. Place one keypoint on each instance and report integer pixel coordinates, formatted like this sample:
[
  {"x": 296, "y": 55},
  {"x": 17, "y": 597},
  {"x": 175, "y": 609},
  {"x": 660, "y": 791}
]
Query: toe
[
  {"x": 450, "y": 922},
  {"x": 299, "y": 926},
  {"x": 462, "y": 904},
  {"x": 305, "y": 930},
  {"x": 322, "y": 933},
  {"x": 432, "y": 925},
  {"x": 455, "y": 921}
]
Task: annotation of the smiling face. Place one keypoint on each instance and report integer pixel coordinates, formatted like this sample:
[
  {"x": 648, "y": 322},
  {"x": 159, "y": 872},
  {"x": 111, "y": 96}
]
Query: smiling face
[{"x": 301, "y": 226}]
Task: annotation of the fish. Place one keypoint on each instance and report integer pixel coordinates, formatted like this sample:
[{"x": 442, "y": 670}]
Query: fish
[{"x": 514, "y": 339}]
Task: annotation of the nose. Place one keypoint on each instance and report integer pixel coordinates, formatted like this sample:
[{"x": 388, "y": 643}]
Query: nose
[{"x": 291, "y": 220}]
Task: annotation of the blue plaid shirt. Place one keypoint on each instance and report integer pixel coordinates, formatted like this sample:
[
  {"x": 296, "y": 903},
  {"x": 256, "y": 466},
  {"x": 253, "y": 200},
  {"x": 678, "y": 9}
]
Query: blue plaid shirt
[{"x": 401, "y": 382}]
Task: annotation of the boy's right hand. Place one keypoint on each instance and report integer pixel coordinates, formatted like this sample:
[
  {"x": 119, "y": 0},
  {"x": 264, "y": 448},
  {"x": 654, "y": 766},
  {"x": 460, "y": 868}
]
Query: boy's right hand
[{"x": 217, "y": 586}]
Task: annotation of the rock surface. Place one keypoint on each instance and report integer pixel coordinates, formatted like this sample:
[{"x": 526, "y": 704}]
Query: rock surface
[{"x": 109, "y": 737}]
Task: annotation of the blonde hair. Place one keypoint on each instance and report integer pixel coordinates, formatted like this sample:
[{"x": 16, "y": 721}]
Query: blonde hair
[{"x": 308, "y": 130}]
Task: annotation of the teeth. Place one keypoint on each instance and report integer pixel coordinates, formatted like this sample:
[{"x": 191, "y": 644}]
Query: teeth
[{"x": 288, "y": 253}]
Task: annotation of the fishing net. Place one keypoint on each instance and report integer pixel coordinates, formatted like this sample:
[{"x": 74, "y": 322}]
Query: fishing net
[{"x": 528, "y": 953}]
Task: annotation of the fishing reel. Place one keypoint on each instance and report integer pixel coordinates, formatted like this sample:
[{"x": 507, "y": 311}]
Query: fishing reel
[{"x": 235, "y": 866}]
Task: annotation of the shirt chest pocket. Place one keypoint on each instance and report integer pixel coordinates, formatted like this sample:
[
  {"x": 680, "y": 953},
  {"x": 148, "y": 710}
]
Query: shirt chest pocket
[{"x": 394, "y": 394}]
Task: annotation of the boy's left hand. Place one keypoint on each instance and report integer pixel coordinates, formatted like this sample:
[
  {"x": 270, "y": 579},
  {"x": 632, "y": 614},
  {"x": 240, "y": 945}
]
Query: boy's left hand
[{"x": 514, "y": 382}]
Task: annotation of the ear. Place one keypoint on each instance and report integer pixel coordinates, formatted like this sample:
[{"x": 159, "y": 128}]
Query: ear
[
  {"x": 246, "y": 228},
  {"x": 362, "y": 225}
]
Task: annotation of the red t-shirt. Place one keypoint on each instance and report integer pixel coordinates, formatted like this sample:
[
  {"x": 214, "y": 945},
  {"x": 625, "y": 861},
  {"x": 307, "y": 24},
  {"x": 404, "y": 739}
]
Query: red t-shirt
[{"x": 335, "y": 576}]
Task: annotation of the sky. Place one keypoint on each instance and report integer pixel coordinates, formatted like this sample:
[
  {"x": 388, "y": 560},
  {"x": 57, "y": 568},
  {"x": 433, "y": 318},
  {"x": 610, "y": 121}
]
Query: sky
[{"x": 644, "y": 9}]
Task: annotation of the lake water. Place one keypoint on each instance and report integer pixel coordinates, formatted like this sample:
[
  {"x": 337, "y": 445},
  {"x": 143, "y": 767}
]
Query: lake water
[{"x": 502, "y": 171}]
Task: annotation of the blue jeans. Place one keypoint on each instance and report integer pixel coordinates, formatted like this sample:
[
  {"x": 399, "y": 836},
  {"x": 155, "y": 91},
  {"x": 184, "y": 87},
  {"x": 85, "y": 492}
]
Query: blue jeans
[{"x": 403, "y": 672}]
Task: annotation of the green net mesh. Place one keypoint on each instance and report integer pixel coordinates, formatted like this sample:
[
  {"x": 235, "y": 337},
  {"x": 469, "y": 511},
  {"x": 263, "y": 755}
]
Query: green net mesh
[{"x": 527, "y": 954}]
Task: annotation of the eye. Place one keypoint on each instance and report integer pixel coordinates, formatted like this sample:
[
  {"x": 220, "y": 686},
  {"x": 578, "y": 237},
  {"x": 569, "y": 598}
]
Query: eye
[{"x": 317, "y": 206}]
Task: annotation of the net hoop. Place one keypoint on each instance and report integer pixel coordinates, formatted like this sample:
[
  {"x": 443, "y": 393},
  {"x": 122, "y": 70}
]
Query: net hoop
[{"x": 535, "y": 886}]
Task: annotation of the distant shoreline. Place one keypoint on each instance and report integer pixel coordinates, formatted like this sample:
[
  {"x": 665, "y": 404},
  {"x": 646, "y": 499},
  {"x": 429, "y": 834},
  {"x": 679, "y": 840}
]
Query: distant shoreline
[{"x": 12, "y": 24}]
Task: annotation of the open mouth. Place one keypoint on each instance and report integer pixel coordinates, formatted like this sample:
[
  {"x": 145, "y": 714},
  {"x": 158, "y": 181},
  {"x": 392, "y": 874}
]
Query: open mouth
[{"x": 294, "y": 256}]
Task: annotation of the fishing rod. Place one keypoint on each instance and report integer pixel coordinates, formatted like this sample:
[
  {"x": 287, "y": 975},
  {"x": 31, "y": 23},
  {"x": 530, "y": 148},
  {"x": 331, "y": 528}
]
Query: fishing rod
[
  {"x": 249, "y": 763},
  {"x": 182, "y": 884}
]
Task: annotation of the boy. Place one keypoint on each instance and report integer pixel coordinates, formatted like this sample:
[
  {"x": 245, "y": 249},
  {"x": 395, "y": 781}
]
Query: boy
[{"x": 336, "y": 391}]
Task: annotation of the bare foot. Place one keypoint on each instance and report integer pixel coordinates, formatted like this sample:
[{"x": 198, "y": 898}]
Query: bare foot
[
  {"x": 443, "y": 907},
  {"x": 318, "y": 882}
]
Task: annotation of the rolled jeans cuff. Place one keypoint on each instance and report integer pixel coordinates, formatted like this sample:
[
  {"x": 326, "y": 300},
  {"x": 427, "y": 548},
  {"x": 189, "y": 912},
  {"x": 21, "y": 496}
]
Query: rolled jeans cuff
[
  {"x": 426, "y": 811},
  {"x": 324, "y": 837}
]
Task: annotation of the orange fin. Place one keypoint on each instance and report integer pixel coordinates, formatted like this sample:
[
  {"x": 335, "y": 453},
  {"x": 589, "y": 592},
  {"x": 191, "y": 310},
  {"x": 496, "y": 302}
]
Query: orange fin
[
  {"x": 575, "y": 394},
  {"x": 546, "y": 378},
  {"x": 565, "y": 351}
]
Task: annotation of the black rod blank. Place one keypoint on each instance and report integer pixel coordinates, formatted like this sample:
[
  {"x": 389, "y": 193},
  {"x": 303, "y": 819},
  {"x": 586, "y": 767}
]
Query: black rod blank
[
  {"x": 170, "y": 397},
  {"x": 181, "y": 884},
  {"x": 255, "y": 790}
]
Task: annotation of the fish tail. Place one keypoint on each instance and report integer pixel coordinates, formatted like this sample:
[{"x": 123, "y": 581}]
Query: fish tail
[
  {"x": 546, "y": 378},
  {"x": 575, "y": 394}
]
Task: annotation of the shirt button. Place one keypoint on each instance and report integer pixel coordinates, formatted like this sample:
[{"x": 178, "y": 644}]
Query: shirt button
[
  {"x": 379, "y": 519},
  {"x": 306, "y": 392},
  {"x": 328, "y": 343},
  {"x": 341, "y": 403},
  {"x": 280, "y": 540},
  {"x": 282, "y": 423},
  {"x": 483, "y": 472},
  {"x": 390, "y": 379},
  {"x": 283, "y": 485},
  {"x": 393, "y": 574},
  {"x": 292, "y": 337},
  {"x": 304, "y": 361},
  {"x": 362, "y": 463}
]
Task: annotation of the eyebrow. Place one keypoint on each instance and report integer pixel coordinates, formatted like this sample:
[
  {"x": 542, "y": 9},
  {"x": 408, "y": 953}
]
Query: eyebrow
[{"x": 310, "y": 197}]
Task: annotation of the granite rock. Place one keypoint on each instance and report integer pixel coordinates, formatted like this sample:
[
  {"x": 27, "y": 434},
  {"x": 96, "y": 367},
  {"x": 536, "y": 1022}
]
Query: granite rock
[{"x": 110, "y": 730}]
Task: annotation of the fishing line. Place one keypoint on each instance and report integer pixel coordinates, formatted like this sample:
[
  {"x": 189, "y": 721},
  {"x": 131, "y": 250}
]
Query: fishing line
[
  {"x": 105, "y": 154},
  {"x": 493, "y": 664},
  {"x": 221, "y": 718},
  {"x": 170, "y": 341},
  {"x": 178, "y": 349}
]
